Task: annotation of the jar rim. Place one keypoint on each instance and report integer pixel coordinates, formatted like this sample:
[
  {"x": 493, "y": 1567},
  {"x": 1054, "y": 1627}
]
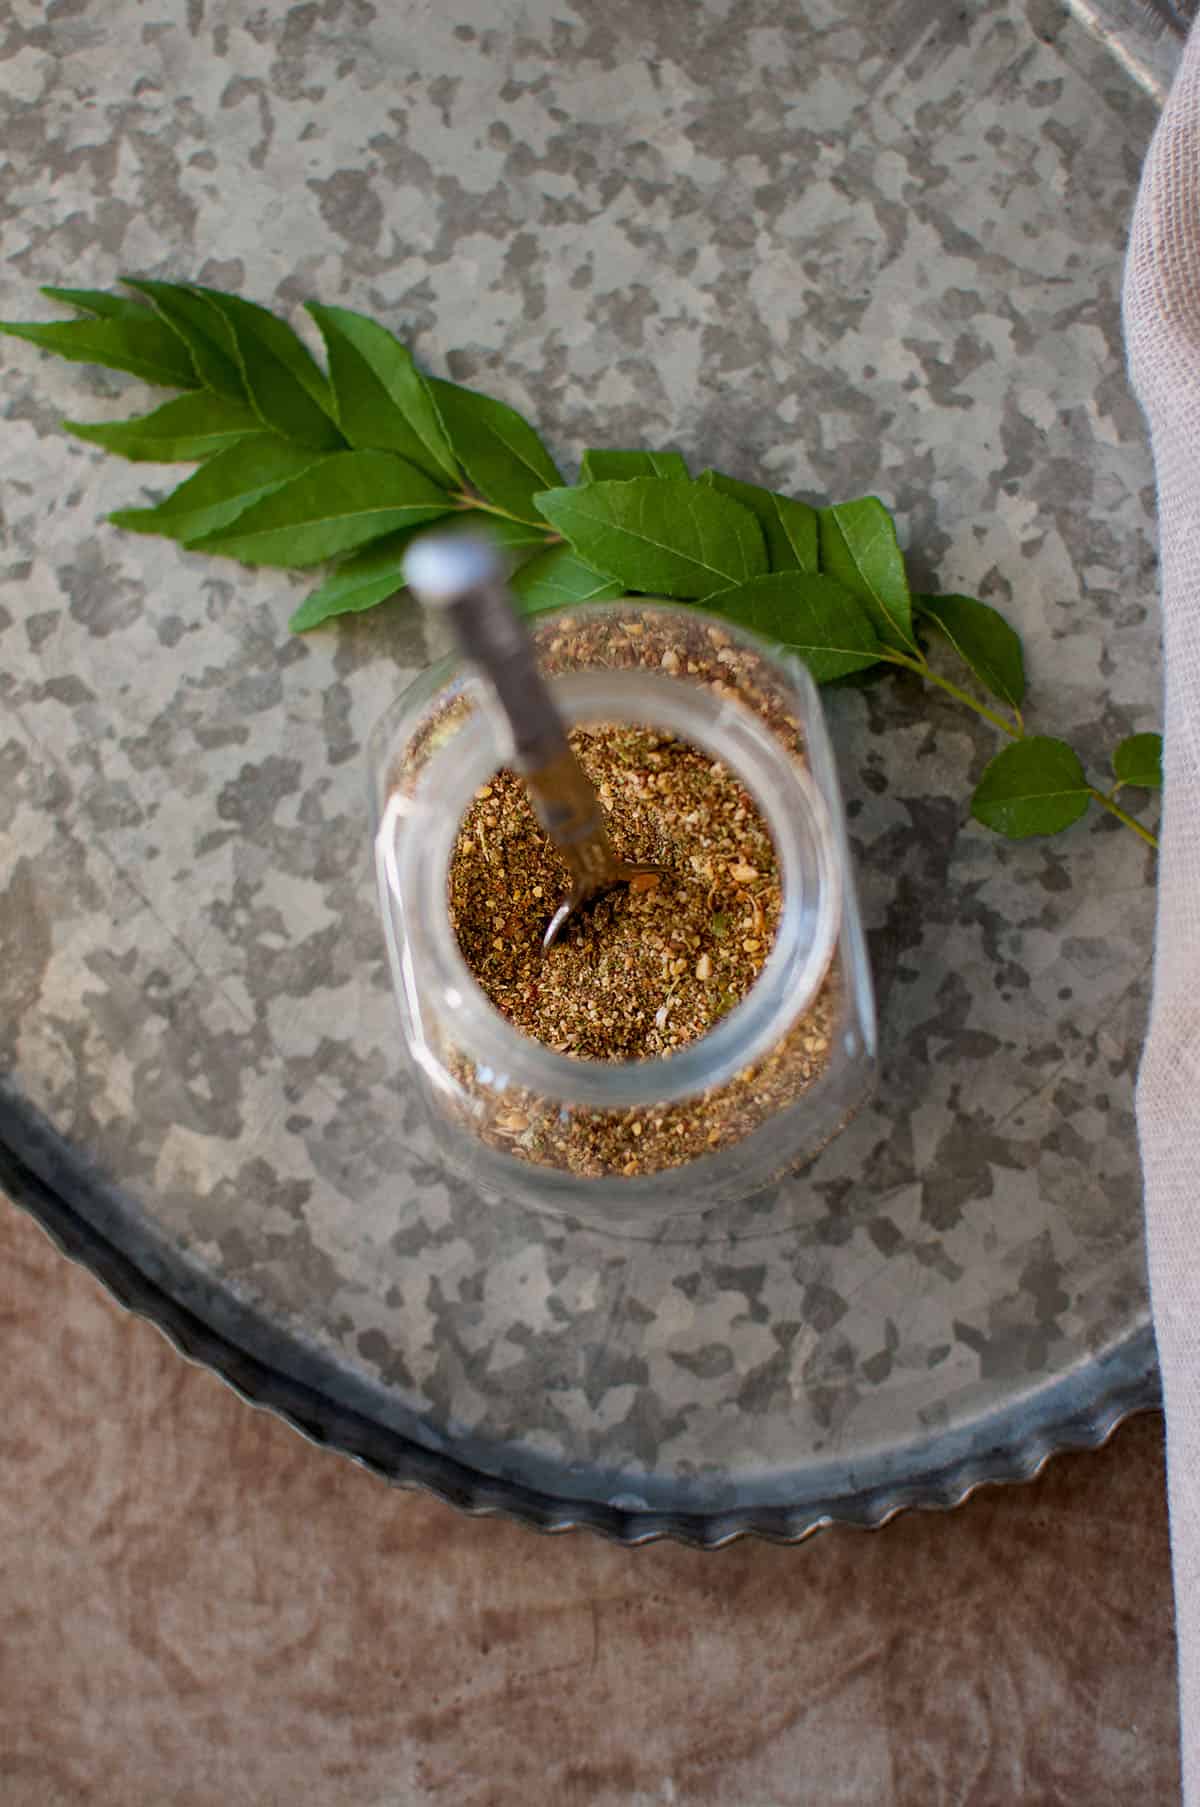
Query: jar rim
[{"x": 416, "y": 866}]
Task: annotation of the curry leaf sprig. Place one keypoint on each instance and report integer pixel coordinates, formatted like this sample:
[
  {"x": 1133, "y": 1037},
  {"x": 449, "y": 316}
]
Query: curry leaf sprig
[{"x": 302, "y": 466}]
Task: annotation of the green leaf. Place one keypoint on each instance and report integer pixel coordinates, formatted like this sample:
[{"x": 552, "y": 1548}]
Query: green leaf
[
  {"x": 814, "y": 616},
  {"x": 144, "y": 348},
  {"x": 982, "y": 639},
  {"x": 600, "y": 467},
  {"x": 100, "y": 303},
  {"x": 557, "y": 578},
  {"x": 789, "y": 527},
  {"x": 358, "y": 583},
  {"x": 1036, "y": 786},
  {"x": 512, "y": 536},
  {"x": 659, "y": 535},
  {"x": 192, "y": 426},
  {"x": 382, "y": 401},
  {"x": 341, "y": 502},
  {"x": 222, "y": 489},
  {"x": 519, "y": 539},
  {"x": 286, "y": 387},
  {"x": 500, "y": 452},
  {"x": 1138, "y": 760},
  {"x": 205, "y": 332},
  {"x": 859, "y": 549}
]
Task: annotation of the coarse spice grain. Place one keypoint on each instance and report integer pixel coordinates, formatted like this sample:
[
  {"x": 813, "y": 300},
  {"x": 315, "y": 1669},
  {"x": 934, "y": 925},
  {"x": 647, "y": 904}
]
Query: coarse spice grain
[
  {"x": 654, "y": 1137},
  {"x": 650, "y": 966}
]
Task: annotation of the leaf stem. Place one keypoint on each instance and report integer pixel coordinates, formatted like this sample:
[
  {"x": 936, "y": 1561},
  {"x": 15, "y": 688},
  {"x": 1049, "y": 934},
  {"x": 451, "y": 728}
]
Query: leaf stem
[
  {"x": 924, "y": 670},
  {"x": 921, "y": 666},
  {"x": 1114, "y": 809},
  {"x": 464, "y": 499}
]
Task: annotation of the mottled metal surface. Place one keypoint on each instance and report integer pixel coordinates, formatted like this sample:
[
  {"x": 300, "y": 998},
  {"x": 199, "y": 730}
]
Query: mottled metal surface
[{"x": 845, "y": 254}]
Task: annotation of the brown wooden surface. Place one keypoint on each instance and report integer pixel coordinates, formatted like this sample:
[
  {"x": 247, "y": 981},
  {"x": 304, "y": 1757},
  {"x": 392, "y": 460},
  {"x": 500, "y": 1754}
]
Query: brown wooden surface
[{"x": 197, "y": 1608}]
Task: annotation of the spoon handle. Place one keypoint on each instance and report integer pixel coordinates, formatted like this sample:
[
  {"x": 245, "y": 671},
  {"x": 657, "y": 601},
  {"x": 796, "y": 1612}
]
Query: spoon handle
[{"x": 463, "y": 577}]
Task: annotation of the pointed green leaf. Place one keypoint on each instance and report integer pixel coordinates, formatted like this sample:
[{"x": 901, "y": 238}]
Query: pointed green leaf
[
  {"x": 286, "y": 386},
  {"x": 190, "y": 427},
  {"x": 1036, "y": 786},
  {"x": 982, "y": 639},
  {"x": 619, "y": 467},
  {"x": 205, "y": 332},
  {"x": 518, "y": 537},
  {"x": 557, "y": 578},
  {"x": 144, "y": 348},
  {"x": 341, "y": 502},
  {"x": 814, "y": 616},
  {"x": 1138, "y": 760},
  {"x": 222, "y": 489},
  {"x": 100, "y": 303},
  {"x": 500, "y": 452},
  {"x": 518, "y": 541},
  {"x": 658, "y": 535},
  {"x": 358, "y": 583},
  {"x": 789, "y": 527},
  {"x": 382, "y": 401},
  {"x": 859, "y": 549}
]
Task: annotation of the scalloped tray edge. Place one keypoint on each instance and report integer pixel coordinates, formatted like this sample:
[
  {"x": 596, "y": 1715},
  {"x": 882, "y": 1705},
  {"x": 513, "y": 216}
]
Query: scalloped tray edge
[{"x": 403, "y": 1463}]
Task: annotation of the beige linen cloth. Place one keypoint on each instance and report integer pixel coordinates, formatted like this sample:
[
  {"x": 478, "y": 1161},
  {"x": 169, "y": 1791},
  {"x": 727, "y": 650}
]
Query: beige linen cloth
[{"x": 1162, "y": 324}]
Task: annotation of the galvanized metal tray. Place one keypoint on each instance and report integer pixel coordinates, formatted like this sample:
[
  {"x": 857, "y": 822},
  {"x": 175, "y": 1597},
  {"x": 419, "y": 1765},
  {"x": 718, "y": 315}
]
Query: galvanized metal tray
[{"x": 791, "y": 251}]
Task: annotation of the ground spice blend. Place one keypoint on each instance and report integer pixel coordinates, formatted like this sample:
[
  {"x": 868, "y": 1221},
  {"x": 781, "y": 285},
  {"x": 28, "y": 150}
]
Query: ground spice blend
[
  {"x": 646, "y": 969},
  {"x": 650, "y": 966}
]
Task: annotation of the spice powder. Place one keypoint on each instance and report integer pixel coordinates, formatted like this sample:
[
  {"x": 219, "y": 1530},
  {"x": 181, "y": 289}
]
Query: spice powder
[{"x": 649, "y": 966}]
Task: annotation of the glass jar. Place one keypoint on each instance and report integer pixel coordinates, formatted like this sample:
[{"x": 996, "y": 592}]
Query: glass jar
[{"x": 776, "y": 1077}]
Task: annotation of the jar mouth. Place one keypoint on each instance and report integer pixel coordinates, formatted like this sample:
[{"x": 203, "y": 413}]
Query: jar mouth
[{"x": 417, "y": 865}]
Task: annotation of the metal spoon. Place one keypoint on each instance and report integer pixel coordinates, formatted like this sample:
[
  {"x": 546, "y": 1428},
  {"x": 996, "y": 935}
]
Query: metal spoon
[{"x": 462, "y": 575}]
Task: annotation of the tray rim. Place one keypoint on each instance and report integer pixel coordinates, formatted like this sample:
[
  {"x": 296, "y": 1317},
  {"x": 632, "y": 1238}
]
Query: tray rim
[{"x": 1062, "y": 1426}]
